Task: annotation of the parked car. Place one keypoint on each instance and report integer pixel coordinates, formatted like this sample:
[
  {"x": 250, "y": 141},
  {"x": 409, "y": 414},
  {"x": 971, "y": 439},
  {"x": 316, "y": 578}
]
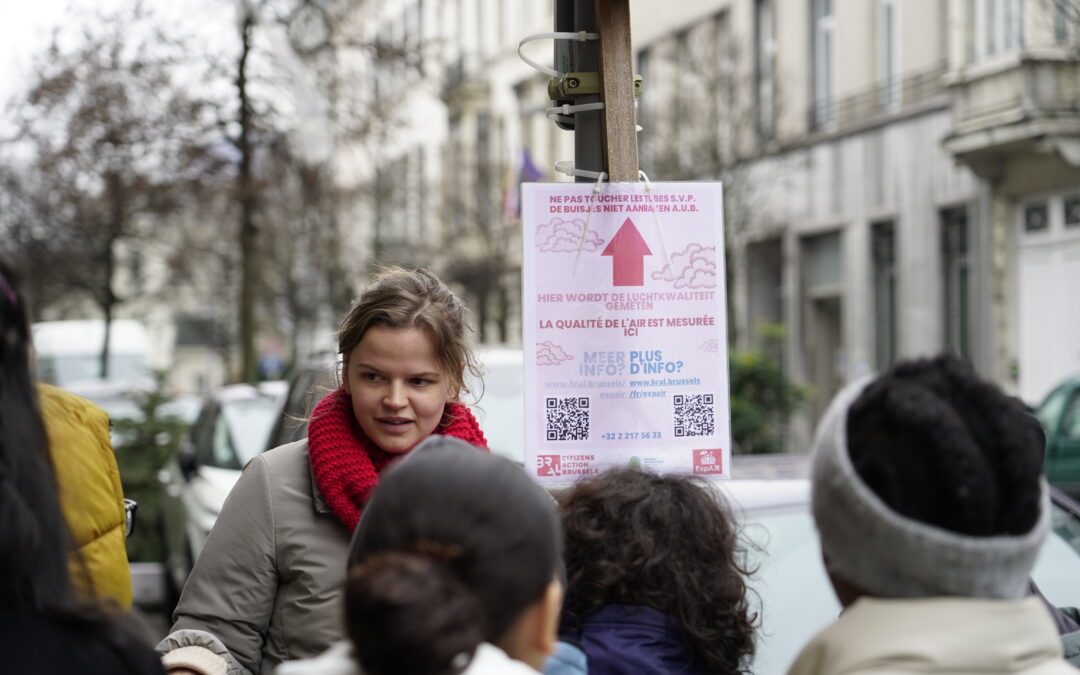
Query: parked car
[
  {"x": 310, "y": 381},
  {"x": 1059, "y": 414},
  {"x": 500, "y": 401},
  {"x": 68, "y": 355},
  {"x": 500, "y": 408},
  {"x": 231, "y": 429},
  {"x": 793, "y": 593}
]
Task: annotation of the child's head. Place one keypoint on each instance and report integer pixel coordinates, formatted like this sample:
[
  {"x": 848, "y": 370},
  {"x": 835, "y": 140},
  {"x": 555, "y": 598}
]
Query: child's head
[
  {"x": 928, "y": 482},
  {"x": 404, "y": 356},
  {"x": 666, "y": 542},
  {"x": 457, "y": 547}
]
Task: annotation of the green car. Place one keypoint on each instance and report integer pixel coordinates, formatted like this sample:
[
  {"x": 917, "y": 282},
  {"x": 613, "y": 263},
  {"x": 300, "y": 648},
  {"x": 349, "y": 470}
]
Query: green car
[{"x": 1060, "y": 417}]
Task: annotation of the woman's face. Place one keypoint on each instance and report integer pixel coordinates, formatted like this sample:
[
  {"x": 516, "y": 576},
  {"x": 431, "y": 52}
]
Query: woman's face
[{"x": 397, "y": 386}]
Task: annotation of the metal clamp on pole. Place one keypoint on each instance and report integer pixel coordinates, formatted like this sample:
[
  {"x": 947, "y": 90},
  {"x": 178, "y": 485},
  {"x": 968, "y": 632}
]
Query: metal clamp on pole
[{"x": 571, "y": 85}]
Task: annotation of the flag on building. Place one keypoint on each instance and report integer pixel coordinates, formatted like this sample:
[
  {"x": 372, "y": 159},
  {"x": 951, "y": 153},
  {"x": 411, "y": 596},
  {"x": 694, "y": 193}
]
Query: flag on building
[{"x": 527, "y": 172}]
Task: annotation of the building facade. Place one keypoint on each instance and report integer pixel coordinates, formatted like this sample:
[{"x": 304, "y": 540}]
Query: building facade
[{"x": 901, "y": 176}]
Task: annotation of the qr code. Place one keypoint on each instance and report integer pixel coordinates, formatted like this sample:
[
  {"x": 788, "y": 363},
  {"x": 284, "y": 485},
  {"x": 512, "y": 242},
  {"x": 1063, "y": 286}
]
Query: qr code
[
  {"x": 695, "y": 415},
  {"x": 567, "y": 418}
]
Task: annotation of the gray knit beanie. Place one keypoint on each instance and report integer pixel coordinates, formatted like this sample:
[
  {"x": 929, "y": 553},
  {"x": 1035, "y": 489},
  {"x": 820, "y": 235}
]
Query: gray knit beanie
[{"x": 888, "y": 555}]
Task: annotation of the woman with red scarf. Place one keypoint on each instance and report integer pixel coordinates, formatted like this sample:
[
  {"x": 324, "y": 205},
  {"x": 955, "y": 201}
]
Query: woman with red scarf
[{"x": 267, "y": 586}]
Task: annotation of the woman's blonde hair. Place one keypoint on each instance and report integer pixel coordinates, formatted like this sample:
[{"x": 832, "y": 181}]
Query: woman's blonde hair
[{"x": 400, "y": 298}]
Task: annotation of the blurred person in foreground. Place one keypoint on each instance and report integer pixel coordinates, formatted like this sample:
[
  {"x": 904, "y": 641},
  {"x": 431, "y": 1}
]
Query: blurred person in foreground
[
  {"x": 656, "y": 582},
  {"x": 267, "y": 586},
  {"x": 46, "y": 625},
  {"x": 929, "y": 498},
  {"x": 452, "y": 572}
]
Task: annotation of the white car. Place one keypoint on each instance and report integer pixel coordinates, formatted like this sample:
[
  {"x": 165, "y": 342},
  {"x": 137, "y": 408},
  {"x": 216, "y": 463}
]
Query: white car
[
  {"x": 68, "y": 355},
  {"x": 231, "y": 429},
  {"x": 499, "y": 403},
  {"x": 792, "y": 591}
]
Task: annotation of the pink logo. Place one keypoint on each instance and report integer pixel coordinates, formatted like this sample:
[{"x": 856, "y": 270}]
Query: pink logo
[
  {"x": 548, "y": 465},
  {"x": 708, "y": 461}
]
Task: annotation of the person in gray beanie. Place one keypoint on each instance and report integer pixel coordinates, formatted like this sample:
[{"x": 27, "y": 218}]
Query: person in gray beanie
[{"x": 931, "y": 506}]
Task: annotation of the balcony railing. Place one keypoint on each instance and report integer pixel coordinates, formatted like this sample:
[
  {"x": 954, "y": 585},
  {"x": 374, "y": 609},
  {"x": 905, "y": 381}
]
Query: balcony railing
[
  {"x": 881, "y": 100},
  {"x": 1029, "y": 88}
]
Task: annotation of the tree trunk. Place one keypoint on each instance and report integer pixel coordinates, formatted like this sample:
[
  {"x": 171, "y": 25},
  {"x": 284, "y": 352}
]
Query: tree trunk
[
  {"x": 503, "y": 317},
  {"x": 248, "y": 232},
  {"x": 107, "y": 304},
  {"x": 482, "y": 292},
  {"x": 115, "y": 191}
]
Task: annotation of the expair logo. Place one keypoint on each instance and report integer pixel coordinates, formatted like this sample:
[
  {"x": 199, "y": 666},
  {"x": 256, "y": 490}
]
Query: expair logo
[
  {"x": 709, "y": 461},
  {"x": 548, "y": 466}
]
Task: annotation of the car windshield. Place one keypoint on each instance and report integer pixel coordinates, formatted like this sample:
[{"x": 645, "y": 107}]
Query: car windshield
[
  {"x": 249, "y": 422},
  {"x": 1050, "y": 410},
  {"x": 796, "y": 601}
]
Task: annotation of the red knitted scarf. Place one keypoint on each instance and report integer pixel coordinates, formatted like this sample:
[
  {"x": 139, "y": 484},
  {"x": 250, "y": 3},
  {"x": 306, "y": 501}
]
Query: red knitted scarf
[{"x": 347, "y": 464}]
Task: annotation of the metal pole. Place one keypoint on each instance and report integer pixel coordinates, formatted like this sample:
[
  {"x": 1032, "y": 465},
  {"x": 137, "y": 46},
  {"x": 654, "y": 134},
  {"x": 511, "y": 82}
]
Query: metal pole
[{"x": 588, "y": 125}]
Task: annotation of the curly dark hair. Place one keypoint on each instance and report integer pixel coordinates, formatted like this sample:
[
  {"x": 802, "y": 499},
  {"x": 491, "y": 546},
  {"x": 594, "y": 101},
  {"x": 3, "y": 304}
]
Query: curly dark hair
[
  {"x": 665, "y": 542},
  {"x": 944, "y": 447}
]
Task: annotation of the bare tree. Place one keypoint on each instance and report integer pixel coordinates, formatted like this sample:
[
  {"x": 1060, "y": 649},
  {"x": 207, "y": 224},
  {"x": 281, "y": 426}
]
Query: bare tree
[
  {"x": 246, "y": 196},
  {"x": 110, "y": 150},
  {"x": 106, "y": 142},
  {"x": 309, "y": 48},
  {"x": 481, "y": 241},
  {"x": 700, "y": 123},
  {"x": 1063, "y": 19}
]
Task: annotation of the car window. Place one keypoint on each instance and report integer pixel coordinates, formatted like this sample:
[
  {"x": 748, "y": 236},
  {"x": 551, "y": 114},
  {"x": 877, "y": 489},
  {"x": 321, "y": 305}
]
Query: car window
[
  {"x": 249, "y": 423},
  {"x": 1050, "y": 411},
  {"x": 222, "y": 453},
  {"x": 306, "y": 389},
  {"x": 240, "y": 431},
  {"x": 203, "y": 436},
  {"x": 1070, "y": 420}
]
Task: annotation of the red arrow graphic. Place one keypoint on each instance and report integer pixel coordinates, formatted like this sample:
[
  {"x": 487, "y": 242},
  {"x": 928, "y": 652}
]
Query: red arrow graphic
[{"x": 627, "y": 250}]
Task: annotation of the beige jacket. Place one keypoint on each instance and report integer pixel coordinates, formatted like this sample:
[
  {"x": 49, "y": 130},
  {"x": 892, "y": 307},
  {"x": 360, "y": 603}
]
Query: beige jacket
[
  {"x": 954, "y": 635},
  {"x": 268, "y": 584}
]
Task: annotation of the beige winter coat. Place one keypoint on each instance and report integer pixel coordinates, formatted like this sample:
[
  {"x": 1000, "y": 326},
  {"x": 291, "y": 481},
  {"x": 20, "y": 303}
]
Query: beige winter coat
[
  {"x": 942, "y": 635},
  {"x": 267, "y": 586}
]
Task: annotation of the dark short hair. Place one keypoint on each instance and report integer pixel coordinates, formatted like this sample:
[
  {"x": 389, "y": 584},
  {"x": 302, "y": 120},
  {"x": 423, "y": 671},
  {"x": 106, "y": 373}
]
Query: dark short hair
[{"x": 453, "y": 546}]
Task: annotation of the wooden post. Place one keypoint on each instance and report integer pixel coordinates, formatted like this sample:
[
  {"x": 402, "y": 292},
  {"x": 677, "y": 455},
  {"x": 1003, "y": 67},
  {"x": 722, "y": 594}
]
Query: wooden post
[{"x": 617, "y": 90}]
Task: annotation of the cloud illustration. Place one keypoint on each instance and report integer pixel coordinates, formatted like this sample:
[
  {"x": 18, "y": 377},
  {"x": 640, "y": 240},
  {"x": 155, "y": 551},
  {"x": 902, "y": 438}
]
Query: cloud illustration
[
  {"x": 711, "y": 346},
  {"x": 550, "y": 354},
  {"x": 564, "y": 236},
  {"x": 693, "y": 268}
]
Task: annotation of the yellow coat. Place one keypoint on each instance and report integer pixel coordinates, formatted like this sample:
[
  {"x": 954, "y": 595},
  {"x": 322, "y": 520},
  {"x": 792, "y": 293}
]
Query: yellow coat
[{"x": 90, "y": 492}]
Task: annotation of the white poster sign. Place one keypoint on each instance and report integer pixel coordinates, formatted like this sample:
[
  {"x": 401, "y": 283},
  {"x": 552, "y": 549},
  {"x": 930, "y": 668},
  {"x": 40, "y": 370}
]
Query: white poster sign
[{"x": 625, "y": 329}]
